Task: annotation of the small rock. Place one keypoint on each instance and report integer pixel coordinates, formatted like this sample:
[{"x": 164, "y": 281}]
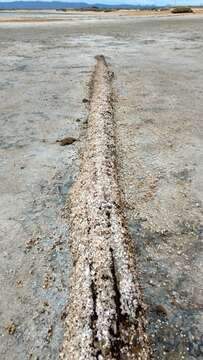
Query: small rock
[
  {"x": 161, "y": 309},
  {"x": 66, "y": 141},
  {"x": 85, "y": 101}
]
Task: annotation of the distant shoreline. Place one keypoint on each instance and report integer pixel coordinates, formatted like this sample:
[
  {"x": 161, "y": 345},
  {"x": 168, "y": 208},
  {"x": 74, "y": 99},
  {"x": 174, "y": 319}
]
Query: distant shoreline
[
  {"x": 82, "y": 6},
  {"x": 34, "y": 16}
]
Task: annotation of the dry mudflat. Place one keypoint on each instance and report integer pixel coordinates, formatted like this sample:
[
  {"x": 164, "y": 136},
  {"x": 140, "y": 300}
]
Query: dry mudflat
[{"x": 45, "y": 67}]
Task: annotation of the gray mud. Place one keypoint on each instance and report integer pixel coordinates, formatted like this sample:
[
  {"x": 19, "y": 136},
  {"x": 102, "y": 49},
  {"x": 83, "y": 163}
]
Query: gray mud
[
  {"x": 41, "y": 92},
  {"x": 44, "y": 72}
]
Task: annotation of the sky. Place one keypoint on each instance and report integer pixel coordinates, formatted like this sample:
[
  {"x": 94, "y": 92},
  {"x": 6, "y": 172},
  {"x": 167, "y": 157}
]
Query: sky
[
  {"x": 133, "y": 2},
  {"x": 142, "y": 2}
]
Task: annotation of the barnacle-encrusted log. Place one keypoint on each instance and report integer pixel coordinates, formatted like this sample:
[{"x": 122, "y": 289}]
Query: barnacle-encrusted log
[{"x": 105, "y": 310}]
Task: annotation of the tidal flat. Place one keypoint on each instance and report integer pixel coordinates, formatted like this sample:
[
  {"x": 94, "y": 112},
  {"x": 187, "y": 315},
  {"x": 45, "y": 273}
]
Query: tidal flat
[{"x": 45, "y": 66}]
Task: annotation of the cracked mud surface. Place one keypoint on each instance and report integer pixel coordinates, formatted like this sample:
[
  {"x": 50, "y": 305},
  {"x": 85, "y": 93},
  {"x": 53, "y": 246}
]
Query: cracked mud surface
[{"x": 158, "y": 80}]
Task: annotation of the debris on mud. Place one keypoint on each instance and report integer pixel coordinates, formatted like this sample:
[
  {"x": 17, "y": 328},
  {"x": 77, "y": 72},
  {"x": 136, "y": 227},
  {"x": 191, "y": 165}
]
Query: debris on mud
[
  {"x": 10, "y": 328},
  {"x": 47, "y": 283},
  {"x": 30, "y": 243},
  {"x": 49, "y": 333},
  {"x": 19, "y": 283}
]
